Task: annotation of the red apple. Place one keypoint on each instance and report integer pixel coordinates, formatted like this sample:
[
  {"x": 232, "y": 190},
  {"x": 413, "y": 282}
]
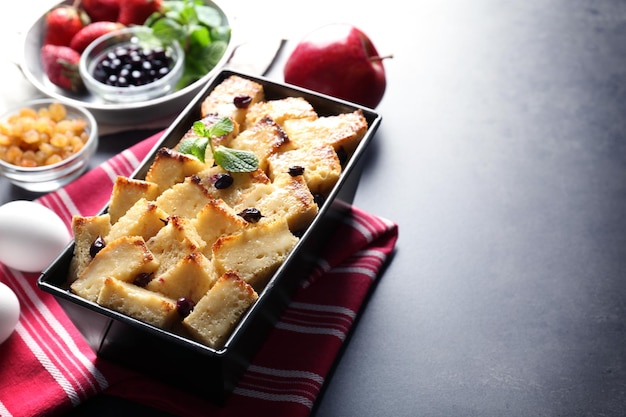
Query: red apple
[{"x": 338, "y": 60}]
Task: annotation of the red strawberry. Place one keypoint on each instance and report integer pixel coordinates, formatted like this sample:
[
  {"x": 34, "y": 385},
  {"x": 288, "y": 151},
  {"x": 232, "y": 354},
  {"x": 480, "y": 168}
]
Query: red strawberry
[
  {"x": 60, "y": 63},
  {"x": 91, "y": 32},
  {"x": 62, "y": 23},
  {"x": 102, "y": 10},
  {"x": 135, "y": 12}
]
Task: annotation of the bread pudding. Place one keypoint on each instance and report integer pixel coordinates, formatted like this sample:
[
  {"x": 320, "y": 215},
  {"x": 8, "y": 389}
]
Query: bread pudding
[{"x": 190, "y": 247}]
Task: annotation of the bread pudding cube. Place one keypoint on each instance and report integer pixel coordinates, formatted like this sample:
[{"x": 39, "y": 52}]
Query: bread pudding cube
[
  {"x": 254, "y": 253},
  {"x": 126, "y": 192},
  {"x": 217, "y": 313},
  {"x": 173, "y": 242},
  {"x": 224, "y": 101},
  {"x": 321, "y": 164},
  {"x": 253, "y": 196},
  {"x": 137, "y": 302},
  {"x": 184, "y": 199},
  {"x": 171, "y": 167},
  {"x": 86, "y": 229},
  {"x": 190, "y": 278},
  {"x": 264, "y": 138},
  {"x": 242, "y": 183},
  {"x": 217, "y": 219},
  {"x": 143, "y": 219},
  {"x": 123, "y": 259},
  {"x": 287, "y": 198},
  {"x": 280, "y": 110},
  {"x": 343, "y": 132}
]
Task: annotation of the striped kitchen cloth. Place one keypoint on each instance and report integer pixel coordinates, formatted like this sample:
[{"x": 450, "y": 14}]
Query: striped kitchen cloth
[{"x": 47, "y": 367}]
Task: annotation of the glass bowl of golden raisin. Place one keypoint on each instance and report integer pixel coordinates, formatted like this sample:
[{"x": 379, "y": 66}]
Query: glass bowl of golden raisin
[{"x": 45, "y": 144}]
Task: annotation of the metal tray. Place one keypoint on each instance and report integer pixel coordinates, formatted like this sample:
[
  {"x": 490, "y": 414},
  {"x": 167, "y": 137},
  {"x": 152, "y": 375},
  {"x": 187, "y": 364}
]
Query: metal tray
[{"x": 171, "y": 357}]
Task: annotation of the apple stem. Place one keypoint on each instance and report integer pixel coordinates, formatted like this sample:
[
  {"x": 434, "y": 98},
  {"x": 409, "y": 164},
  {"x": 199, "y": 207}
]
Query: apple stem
[{"x": 381, "y": 58}]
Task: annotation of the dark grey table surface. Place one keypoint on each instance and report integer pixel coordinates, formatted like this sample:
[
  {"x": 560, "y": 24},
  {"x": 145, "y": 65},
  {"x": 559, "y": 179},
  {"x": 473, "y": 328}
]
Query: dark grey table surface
[{"x": 502, "y": 157}]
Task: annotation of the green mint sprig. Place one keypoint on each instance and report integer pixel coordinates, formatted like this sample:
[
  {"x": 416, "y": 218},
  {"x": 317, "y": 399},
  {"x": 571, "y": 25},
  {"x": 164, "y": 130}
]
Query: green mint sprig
[
  {"x": 199, "y": 30},
  {"x": 232, "y": 160}
]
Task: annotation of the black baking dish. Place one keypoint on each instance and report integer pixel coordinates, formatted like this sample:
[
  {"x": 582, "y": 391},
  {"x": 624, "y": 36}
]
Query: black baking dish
[{"x": 170, "y": 357}]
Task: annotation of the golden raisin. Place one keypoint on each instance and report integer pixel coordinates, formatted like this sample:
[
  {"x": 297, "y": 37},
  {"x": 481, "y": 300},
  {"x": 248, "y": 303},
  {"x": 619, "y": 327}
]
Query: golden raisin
[{"x": 41, "y": 137}]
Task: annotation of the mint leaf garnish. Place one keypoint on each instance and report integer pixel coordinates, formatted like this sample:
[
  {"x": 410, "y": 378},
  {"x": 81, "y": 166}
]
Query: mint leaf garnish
[
  {"x": 194, "y": 146},
  {"x": 220, "y": 128},
  {"x": 232, "y": 160},
  {"x": 235, "y": 160}
]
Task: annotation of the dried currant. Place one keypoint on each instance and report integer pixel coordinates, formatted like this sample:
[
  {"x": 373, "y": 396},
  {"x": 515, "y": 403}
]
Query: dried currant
[
  {"x": 251, "y": 215},
  {"x": 296, "y": 170},
  {"x": 223, "y": 181},
  {"x": 184, "y": 306},
  {"x": 96, "y": 246},
  {"x": 242, "y": 101},
  {"x": 133, "y": 66},
  {"x": 141, "y": 280}
]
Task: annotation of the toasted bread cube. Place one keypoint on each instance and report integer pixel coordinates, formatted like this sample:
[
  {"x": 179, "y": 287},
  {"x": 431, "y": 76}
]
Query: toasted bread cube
[
  {"x": 126, "y": 192},
  {"x": 184, "y": 199},
  {"x": 221, "y": 100},
  {"x": 191, "y": 278},
  {"x": 217, "y": 219},
  {"x": 264, "y": 138},
  {"x": 342, "y": 132},
  {"x": 253, "y": 197},
  {"x": 292, "y": 200},
  {"x": 86, "y": 229},
  {"x": 255, "y": 253},
  {"x": 280, "y": 110},
  {"x": 321, "y": 164},
  {"x": 287, "y": 198},
  {"x": 137, "y": 302},
  {"x": 173, "y": 242},
  {"x": 170, "y": 167},
  {"x": 242, "y": 182},
  {"x": 217, "y": 313},
  {"x": 123, "y": 259},
  {"x": 143, "y": 219}
]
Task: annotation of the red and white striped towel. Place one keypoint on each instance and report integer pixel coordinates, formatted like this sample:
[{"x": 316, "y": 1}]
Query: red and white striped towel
[{"x": 47, "y": 367}]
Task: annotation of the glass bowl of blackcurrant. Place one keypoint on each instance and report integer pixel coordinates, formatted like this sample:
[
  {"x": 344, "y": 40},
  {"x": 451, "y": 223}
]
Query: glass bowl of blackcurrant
[{"x": 131, "y": 65}]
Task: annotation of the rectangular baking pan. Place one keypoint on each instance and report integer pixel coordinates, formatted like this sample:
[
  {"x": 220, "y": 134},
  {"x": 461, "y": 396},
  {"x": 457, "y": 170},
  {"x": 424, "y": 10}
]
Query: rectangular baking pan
[{"x": 173, "y": 358}]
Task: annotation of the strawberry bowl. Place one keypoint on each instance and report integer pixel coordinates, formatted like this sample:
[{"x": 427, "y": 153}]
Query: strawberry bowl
[
  {"x": 131, "y": 65},
  {"x": 163, "y": 108}
]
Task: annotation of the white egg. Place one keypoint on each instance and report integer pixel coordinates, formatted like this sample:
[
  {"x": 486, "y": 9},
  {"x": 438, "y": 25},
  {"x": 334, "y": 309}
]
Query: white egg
[
  {"x": 9, "y": 312},
  {"x": 31, "y": 235}
]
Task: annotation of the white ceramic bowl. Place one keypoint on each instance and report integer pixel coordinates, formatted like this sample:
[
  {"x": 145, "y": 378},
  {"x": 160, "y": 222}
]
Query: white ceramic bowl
[
  {"x": 162, "y": 108},
  {"x": 131, "y": 37},
  {"x": 47, "y": 178}
]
